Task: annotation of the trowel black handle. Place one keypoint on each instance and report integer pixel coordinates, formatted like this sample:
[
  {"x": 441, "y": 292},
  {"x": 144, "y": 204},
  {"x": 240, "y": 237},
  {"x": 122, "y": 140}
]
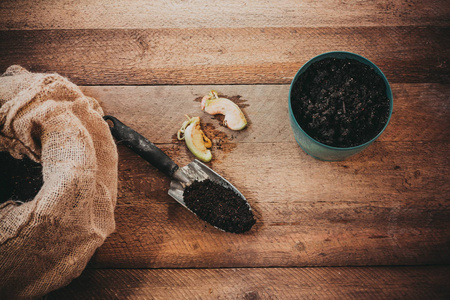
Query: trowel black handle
[{"x": 139, "y": 144}]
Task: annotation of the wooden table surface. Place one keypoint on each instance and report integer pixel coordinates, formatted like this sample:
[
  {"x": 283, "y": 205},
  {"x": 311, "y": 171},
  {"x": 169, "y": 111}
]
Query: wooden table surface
[{"x": 373, "y": 226}]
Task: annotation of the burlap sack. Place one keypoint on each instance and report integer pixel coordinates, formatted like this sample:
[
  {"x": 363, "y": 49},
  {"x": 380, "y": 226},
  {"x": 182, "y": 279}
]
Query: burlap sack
[{"x": 46, "y": 242}]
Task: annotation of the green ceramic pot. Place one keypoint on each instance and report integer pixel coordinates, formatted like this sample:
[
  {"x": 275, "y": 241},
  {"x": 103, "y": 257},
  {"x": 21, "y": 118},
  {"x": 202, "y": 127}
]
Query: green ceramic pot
[{"x": 317, "y": 149}]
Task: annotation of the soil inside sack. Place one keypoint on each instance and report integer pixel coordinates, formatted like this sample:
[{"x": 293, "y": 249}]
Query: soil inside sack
[
  {"x": 20, "y": 179},
  {"x": 340, "y": 102}
]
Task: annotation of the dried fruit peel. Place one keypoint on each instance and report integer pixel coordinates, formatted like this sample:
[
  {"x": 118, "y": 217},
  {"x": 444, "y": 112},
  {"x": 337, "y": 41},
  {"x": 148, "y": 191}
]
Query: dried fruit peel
[
  {"x": 234, "y": 118},
  {"x": 196, "y": 141}
]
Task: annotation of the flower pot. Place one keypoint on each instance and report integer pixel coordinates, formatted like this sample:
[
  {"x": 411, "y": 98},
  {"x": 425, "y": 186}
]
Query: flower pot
[{"x": 319, "y": 149}]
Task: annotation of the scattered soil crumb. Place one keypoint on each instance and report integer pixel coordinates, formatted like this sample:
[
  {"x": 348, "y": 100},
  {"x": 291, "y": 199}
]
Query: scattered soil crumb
[
  {"x": 219, "y": 138},
  {"x": 198, "y": 99}
]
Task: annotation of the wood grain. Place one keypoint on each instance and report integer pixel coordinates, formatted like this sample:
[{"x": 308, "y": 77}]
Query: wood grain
[
  {"x": 222, "y": 55},
  {"x": 149, "y": 62},
  {"x": 420, "y": 111},
  {"x": 85, "y": 14},
  {"x": 388, "y": 206},
  {"x": 274, "y": 283}
]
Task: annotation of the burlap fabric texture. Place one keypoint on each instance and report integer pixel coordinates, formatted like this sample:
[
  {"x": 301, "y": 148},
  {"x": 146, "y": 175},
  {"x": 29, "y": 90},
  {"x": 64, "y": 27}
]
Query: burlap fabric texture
[{"x": 47, "y": 242}]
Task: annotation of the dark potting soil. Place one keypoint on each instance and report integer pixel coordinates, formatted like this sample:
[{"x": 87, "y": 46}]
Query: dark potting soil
[
  {"x": 219, "y": 206},
  {"x": 20, "y": 179},
  {"x": 340, "y": 102}
]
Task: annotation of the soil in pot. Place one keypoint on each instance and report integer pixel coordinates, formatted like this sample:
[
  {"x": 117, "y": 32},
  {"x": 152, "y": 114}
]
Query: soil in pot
[
  {"x": 340, "y": 102},
  {"x": 219, "y": 206},
  {"x": 20, "y": 179}
]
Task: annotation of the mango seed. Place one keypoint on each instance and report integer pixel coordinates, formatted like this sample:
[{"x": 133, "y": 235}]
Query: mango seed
[
  {"x": 196, "y": 141},
  {"x": 234, "y": 118}
]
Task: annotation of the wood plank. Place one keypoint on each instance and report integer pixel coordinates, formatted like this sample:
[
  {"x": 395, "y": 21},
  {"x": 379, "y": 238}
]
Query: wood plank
[
  {"x": 274, "y": 283},
  {"x": 85, "y": 14},
  {"x": 420, "y": 111},
  {"x": 389, "y": 206},
  {"x": 221, "y": 55}
]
